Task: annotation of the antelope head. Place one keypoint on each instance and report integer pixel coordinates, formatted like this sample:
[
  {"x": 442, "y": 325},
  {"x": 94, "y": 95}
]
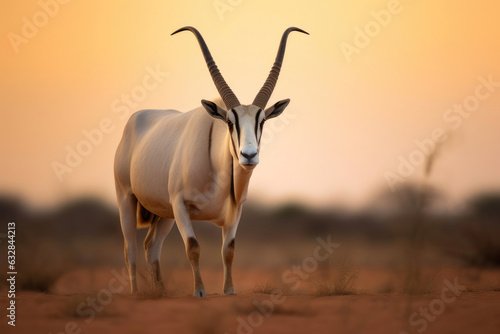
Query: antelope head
[{"x": 244, "y": 122}]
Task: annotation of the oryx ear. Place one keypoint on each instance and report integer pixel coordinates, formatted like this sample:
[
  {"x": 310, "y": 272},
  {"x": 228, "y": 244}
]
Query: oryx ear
[
  {"x": 214, "y": 110},
  {"x": 276, "y": 109}
]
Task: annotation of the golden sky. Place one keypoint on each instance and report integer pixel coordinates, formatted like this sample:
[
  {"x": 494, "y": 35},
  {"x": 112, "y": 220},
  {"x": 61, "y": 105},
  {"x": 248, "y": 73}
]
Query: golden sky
[{"x": 373, "y": 78}]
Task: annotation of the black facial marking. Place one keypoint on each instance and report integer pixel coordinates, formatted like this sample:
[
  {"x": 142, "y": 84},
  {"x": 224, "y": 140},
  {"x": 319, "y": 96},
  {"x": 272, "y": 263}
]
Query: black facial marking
[
  {"x": 237, "y": 125},
  {"x": 257, "y": 123},
  {"x": 231, "y": 128}
]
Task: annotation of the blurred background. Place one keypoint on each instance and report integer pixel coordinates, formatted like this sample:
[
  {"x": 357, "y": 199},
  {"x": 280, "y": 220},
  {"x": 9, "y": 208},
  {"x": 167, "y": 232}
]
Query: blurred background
[{"x": 354, "y": 156}]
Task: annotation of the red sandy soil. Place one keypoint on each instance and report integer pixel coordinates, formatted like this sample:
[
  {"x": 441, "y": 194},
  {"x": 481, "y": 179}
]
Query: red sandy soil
[{"x": 375, "y": 307}]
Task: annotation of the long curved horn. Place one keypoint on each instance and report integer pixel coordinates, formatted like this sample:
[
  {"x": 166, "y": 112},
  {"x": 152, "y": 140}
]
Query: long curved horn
[
  {"x": 225, "y": 92},
  {"x": 265, "y": 92}
]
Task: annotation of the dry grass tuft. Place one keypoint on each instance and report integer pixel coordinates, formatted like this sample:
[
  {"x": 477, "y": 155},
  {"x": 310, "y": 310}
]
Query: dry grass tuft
[
  {"x": 154, "y": 291},
  {"x": 266, "y": 288},
  {"x": 342, "y": 283},
  {"x": 417, "y": 283}
]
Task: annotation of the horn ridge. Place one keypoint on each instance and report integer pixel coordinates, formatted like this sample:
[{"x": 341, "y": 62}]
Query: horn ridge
[
  {"x": 265, "y": 92},
  {"x": 223, "y": 88}
]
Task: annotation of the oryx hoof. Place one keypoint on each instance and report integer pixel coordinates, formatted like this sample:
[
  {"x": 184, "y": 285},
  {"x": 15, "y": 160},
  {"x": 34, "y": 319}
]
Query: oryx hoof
[{"x": 199, "y": 292}]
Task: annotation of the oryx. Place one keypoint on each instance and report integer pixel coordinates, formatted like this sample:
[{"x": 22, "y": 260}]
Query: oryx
[{"x": 173, "y": 166}]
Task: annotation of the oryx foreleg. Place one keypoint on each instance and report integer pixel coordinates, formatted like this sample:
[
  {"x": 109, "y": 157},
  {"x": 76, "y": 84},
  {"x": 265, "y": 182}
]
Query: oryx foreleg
[
  {"x": 191, "y": 243},
  {"x": 228, "y": 244}
]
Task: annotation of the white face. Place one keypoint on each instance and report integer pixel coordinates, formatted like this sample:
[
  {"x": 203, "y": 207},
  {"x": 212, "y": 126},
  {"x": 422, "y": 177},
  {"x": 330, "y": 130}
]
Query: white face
[{"x": 245, "y": 126}]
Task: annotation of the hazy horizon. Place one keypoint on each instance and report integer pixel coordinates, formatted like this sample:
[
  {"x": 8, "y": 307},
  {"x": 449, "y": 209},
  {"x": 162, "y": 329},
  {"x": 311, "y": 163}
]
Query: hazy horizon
[{"x": 368, "y": 91}]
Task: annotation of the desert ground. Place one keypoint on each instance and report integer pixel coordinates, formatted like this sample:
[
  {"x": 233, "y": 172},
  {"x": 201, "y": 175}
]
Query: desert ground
[
  {"x": 296, "y": 270},
  {"x": 81, "y": 302}
]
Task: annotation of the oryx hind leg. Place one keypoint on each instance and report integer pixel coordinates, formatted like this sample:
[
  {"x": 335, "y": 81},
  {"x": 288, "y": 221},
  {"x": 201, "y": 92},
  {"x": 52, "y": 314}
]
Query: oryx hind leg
[
  {"x": 158, "y": 231},
  {"x": 127, "y": 208}
]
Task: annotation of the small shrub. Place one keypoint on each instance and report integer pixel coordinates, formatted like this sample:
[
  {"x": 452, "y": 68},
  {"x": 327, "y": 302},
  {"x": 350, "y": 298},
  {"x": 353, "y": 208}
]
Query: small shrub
[
  {"x": 265, "y": 288},
  {"x": 342, "y": 283}
]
